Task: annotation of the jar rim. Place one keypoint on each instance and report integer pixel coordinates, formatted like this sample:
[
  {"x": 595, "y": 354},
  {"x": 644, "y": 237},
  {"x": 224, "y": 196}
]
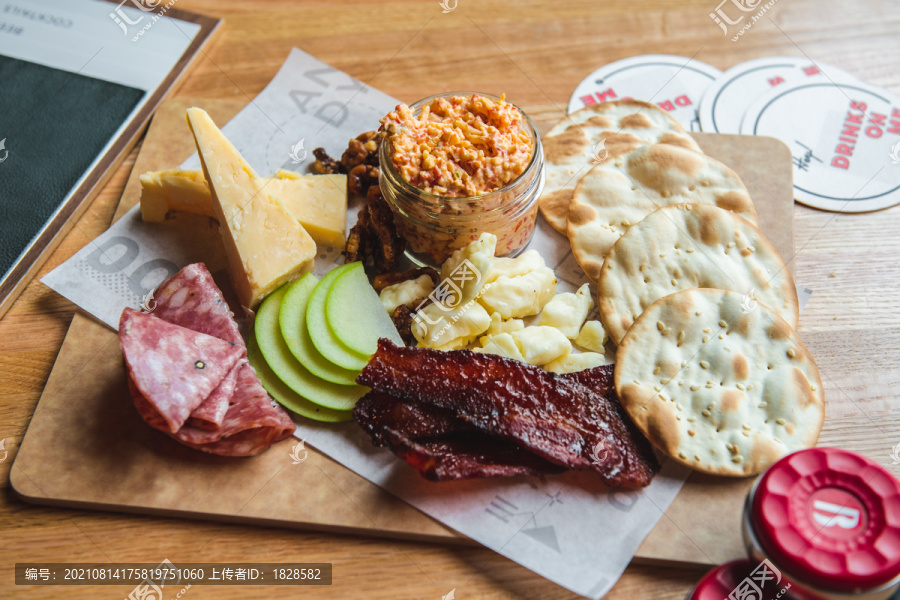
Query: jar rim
[{"x": 387, "y": 166}]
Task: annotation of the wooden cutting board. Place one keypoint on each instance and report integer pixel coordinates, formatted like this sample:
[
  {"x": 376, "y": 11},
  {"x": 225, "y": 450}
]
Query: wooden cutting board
[{"x": 87, "y": 447}]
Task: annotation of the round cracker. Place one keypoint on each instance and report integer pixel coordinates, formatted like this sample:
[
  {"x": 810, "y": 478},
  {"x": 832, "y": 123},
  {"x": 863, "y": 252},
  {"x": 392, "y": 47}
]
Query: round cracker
[
  {"x": 619, "y": 193},
  {"x": 721, "y": 390},
  {"x": 569, "y": 147},
  {"x": 691, "y": 246}
]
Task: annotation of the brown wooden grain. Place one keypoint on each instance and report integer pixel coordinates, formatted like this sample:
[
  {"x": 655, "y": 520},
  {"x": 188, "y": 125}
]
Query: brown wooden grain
[{"x": 536, "y": 52}]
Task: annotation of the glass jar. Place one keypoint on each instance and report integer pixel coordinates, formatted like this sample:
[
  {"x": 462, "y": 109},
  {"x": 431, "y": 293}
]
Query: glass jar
[
  {"x": 435, "y": 226},
  {"x": 819, "y": 524}
]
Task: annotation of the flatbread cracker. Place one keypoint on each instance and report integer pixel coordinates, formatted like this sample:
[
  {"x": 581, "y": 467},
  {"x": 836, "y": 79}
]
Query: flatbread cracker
[
  {"x": 720, "y": 389},
  {"x": 617, "y": 194},
  {"x": 573, "y": 145},
  {"x": 691, "y": 246}
]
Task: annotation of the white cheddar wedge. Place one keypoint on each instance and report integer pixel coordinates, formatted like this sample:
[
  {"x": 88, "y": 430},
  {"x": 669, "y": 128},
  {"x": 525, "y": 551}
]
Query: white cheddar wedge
[
  {"x": 265, "y": 245},
  {"x": 319, "y": 202}
]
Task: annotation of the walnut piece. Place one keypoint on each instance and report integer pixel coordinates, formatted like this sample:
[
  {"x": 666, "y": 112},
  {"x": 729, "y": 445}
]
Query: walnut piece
[
  {"x": 375, "y": 236},
  {"x": 361, "y": 150},
  {"x": 403, "y": 320},
  {"x": 361, "y": 178},
  {"x": 325, "y": 164}
]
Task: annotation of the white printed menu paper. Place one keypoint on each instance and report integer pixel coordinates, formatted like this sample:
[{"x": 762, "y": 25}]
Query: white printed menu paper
[
  {"x": 569, "y": 528},
  {"x": 80, "y": 80}
]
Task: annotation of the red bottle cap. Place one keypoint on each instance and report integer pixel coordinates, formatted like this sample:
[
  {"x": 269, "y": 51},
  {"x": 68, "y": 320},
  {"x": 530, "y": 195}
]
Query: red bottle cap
[
  {"x": 831, "y": 518},
  {"x": 722, "y": 580},
  {"x": 741, "y": 579}
]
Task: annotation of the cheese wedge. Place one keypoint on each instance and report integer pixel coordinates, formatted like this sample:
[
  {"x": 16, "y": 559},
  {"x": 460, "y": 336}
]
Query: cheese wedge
[
  {"x": 176, "y": 189},
  {"x": 265, "y": 245},
  {"x": 319, "y": 202}
]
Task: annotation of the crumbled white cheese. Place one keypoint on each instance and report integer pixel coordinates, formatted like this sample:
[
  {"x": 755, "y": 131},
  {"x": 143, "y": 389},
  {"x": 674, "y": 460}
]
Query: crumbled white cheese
[
  {"x": 592, "y": 337},
  {"x": 568, "y": 311},
  {"x": 541, "y": 345},
  {"x": 572, "y": 363},
  {"x": 520, "y": 296},
  {"x": 502, "y": 344},
  {"x": 406, "y": 292}
]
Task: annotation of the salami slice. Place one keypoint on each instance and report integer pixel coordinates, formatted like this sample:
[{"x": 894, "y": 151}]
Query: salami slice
[
  {"x": 174, "y": 368},
  {"x": 147, "y": 411},
  {"x": 252, "y": 424},
  {"x": 220, "y": 408},
  {"x": 191, "y": 299},
  {"x": 211, "y": 413}
]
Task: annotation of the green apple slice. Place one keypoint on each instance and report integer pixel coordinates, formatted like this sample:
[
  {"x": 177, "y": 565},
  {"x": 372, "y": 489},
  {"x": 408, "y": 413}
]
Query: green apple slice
[
  {"x": 317, "y": 325},
  {"x": 292, "y": 320},
  {"x": 287, "y": 397},
  {"x": 356, "y": 315},
  {"x": 289, "y": 370}
]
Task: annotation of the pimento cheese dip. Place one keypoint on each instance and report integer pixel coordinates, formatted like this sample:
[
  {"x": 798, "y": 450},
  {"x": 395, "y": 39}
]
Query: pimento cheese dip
[{"x": 459, "y": 146}]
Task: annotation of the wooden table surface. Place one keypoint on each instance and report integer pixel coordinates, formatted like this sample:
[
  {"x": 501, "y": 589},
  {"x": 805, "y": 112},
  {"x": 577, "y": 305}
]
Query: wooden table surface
[{"x": 535, "y": 52}]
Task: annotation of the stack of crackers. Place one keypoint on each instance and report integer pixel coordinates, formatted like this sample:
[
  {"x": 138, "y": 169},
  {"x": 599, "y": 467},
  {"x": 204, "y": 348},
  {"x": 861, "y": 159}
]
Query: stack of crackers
[{"x": 704, "y": 311}]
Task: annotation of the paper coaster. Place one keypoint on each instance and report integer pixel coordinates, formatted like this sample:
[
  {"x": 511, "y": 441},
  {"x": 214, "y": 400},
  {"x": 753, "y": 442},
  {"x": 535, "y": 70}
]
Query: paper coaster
[
  {"x": 726, "y": 101},
  {"x": 844, "y": 137},
  {"x": 674, "y": 83}
]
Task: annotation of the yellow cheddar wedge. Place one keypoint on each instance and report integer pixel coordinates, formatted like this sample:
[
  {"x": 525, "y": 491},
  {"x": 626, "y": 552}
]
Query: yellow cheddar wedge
[
  {"x": 176, "y": 189},
  {"x": 319, "y": 202},
  {"x": 265, "y": 245}
]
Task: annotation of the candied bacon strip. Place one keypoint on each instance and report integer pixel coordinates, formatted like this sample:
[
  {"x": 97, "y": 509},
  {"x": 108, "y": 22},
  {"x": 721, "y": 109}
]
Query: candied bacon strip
[
  {"x": 468, "y": 456},
  {"x": 440, "y": 445},
  {"x": 600, "y": 379},
  {"x": 560, "y": 419},
  {"x": 373, "y": 193},
  {"x": 376, "y": 413}
]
